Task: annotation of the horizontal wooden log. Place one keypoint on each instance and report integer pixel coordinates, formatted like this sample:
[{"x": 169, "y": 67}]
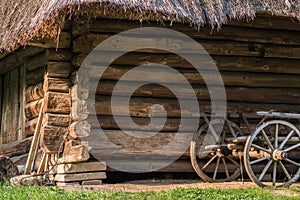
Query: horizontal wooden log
[
  {"x": 35, "y": 77},
  {"x": 180, "y": 165},
  {"x": 80, "y": 26},
  {"x": 140, "y": 107},
  {"x": 81, "y": 167},
  {"x": 16, "y": 148},
  {"x": 242, "y": 94},
  {"x": 119, "y": 143},
  {"x": 79, "y": 129},
  {"x": 84, "y": 44},
  {"x": 30, "y": 127},
  {"x": 80, "y": 176},
  {"x": 55, "y": 102},
  {"x": 74, "y": 152},
  {"x": 37, "y": 61},
  {"x": 57, "y": 119},
  {"x": 233, "y": 33},
  {"x": 59, "y": 55},
  {"x": 63, "y": 42},
  {"x": 224, "y": 63},
  {"x": 58, "y": 69},
  {"x": 52, "y": 138},
  {"x": 268, "y": 22},
  {"x": 34, "y": 92},
  {"x": 78, "y": 92},
  {"x": 141, "y": 124},
  {"x": 32, "y": 109},
  {"x": 16, "y": 59},
  {"x": 56, "y": 85},
  {"x": 194, "y": 77},
  {"x": 79, "y": 110}
]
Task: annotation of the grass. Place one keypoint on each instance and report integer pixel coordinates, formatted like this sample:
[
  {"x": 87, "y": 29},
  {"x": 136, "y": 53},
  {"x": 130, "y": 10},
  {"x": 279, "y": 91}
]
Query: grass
[{"x": 9, "y": 192}]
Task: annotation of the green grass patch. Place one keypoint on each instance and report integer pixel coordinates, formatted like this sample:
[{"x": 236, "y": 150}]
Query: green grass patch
[{"x": 9, "y": 192}]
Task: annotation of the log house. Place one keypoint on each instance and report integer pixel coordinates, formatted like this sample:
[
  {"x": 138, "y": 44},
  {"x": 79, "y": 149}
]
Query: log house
[{"x": 256, "y": 51}]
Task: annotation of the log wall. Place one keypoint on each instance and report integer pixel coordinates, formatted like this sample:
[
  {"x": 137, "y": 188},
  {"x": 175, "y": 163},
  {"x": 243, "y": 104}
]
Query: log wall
[{"x": 258, "y": 61}]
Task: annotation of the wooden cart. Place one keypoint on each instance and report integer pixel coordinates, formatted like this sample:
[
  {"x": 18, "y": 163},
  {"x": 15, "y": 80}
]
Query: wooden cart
[{"x": 270, "y": 153}]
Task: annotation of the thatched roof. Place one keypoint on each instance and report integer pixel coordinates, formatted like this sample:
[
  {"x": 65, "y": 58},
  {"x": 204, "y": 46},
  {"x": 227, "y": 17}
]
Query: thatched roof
[{"x": 22, "y": 20}]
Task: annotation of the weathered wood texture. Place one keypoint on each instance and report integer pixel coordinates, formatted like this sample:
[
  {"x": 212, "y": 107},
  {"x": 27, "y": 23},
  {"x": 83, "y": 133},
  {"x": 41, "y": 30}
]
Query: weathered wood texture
[
  {"x": 16, "y": 148},
  {"x": 52, "y": 138},
  {"x": 258, "y": 61},
  {"x": 80, "y": 176},
  {"x": 81, "y": 167}
]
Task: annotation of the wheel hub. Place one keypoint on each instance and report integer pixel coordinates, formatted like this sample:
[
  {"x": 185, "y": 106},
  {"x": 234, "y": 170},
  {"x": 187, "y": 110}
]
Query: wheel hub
[{"x": 279, "y": 155}]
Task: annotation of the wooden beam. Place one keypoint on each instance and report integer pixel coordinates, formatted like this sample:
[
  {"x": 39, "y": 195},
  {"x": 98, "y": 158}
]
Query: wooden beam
[
  {"x": 230, "y": 78},
  {"x": 56, "y": 85},
  {"x": 34, "y": 92},
  {"x": 80, "y": 176},
  {"x": 74, "y": 152},
  {"x": 32, "y": 109},
  {"x": 14, "y": 60},
  {"x": 64, "y": 42},
  {"x": 55, "y": 102},
  {"x": 36, "y": 62},
  {"x": 140, "y": 107},
  {"x": 16, "y": 148},
  {"x": 81, "y": 167},
  {"x": 52, "y": 138},
  {"x": 59, "y": 55},
  {"x": 58, "y": 69},
  {"x": 79, "y": 129},
  {"x": 241, "y": 94}
]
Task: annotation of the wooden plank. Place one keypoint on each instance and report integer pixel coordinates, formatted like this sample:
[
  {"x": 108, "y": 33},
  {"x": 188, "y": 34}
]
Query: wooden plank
[
  {"x": 84, "y": 44},
  {"x": 22, "y": 118},
  {"x": 34, "y": 92},
  {"x": 92, "y": 182},
  {"x": 140, "y": 107},
  {"x": 16, "y": 59},
  {"x": 80, "y": 177},
  {"x": 59, "y": 55},
  {"x": 5, "y": 110},
  {"x": 16, "y": 148},
  {"x": 2, "y": 97},
  {"x": 30, "y": 127},
  {"x": 81, "y": 167},
  {"x": 56, "y": 85},
  {"x": 244, "y": 79},
  {"x": 58, "y": 69},
  {"x": 63, "y": 184},
  {"x": 64, "y": 42},
  {"x": 242, "y": 94},
  {"x": 55, "y": 102},
  {"x": 52, "y": 138}
]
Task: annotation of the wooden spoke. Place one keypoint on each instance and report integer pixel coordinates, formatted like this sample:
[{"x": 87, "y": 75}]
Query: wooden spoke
[
  {"x": 267, "y": 139},
  {"x": 225, "y": 166},
  {"x": 259, "y": 160},
  {"x": 276, "y": 137},
  {"x": 292, "y": 162},
  {"x": 292, "y": 147},
  {"x": 265, "y": 170},
  {"x": 230, "y": 128},
  {"x": 286, "y": 138},
  {"x": 216, "y": 169},
  {"x": 285, "y": 170},
  {"x": 233, "y": 161},
  {"x": 209, "y": 162},
  {"x": 261, "y": 148},
  {"x": 274, "y": 173}
]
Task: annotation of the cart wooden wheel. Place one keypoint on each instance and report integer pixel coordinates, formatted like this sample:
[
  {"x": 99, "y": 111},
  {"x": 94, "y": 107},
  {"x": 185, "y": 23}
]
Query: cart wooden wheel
[
  {"x": 271, "y": 154},
  {"x": 7, "y": 168},
  {"x": 210, "y": 157}
]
